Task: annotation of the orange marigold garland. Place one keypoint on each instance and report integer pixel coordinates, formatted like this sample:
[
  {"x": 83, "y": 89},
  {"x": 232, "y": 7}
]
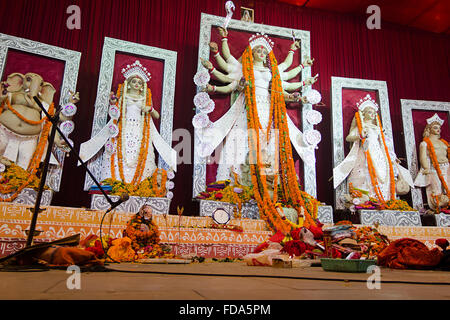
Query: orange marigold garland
[
  {"x": 143, "y": 151},
  {"x": 288, "y": 181},
  {"x": 372, "y": 172}
]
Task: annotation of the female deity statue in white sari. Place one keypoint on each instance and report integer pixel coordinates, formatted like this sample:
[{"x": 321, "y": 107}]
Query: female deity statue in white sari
[
  {"x": 434, "y": 172},
  {"x": 232, "y": 127},
  {"x": 130, "y": 136},
  {"x": 371, "y": 164}
]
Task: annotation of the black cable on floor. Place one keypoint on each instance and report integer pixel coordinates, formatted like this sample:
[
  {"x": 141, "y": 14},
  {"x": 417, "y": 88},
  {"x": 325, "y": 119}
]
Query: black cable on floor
[{"x": 276, "y": 277}]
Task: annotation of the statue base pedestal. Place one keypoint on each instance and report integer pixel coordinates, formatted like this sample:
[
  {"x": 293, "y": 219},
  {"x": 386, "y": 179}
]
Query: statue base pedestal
[
  {"x": 325, "y": 214},
  {"x": 442, "y": 220},
  {"x": 390, "y": 217},
  {"x": 159, "y": 205},
  {"x": 28, "y": 197},
  {"x": 250, "y": 210}
]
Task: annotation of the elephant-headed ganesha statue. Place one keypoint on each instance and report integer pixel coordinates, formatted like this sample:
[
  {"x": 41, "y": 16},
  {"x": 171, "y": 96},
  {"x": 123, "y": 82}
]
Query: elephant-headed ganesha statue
[{"x": 24, "y": 128}]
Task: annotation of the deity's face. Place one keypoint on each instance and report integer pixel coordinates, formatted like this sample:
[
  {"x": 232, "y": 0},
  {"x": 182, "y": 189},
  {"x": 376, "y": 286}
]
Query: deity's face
[
  {"x": 369, "y": 114},
  {"x": 260, "y": 53},
  {"x": 136, "y": 83},
  {"x": 146, "y": 212},
  {"x": 435, "y": 129}
]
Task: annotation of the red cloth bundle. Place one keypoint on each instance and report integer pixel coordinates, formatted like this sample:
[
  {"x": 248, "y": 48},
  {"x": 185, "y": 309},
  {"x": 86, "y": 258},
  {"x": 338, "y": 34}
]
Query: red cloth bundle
[
  {"x": 67, "y": 256},
  {"x": 409, "y": 253}
]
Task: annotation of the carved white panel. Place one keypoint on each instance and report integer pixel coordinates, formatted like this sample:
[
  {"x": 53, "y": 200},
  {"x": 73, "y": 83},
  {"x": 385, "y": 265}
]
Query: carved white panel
[
  {"x": 133, "y": 204},
  {"x": 390, "y": 218}
]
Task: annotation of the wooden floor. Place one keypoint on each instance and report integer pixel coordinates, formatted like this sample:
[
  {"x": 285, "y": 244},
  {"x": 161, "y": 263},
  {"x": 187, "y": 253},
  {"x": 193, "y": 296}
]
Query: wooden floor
[{"x": 223, "y": 281}]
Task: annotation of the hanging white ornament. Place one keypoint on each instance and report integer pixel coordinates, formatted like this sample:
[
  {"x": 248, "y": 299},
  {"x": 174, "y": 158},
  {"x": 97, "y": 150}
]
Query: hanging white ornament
[
  {"x": 67, "y": 127},
  {"x": 312, "y": 137},
  {"x": 110, "y": 147},
  {"x": 313, "y": 117},
  {"x": 169, "y": 195},
  {"x": 69, "y": 110},
  {"x": 201, "y": 78},
  {"x": 113, "y": 130},
  {"x": 170, "y": 185},
  {"x": 201, "y": 99},
  {"x": 200, "y": 120},
  {"x": 313, "y": 96},
  {"x": 114, "y": 112},
  {"x": 170, "y": 174}
]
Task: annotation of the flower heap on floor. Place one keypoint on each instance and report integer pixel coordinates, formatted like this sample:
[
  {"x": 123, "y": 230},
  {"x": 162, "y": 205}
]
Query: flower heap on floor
[
  {"x": 347, "y": 242},
  {"x": 140, "y": 241}
]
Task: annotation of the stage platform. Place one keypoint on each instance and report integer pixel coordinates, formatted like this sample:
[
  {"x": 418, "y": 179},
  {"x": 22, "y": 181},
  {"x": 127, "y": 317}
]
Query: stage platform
[{"x": 186, "y": 234}]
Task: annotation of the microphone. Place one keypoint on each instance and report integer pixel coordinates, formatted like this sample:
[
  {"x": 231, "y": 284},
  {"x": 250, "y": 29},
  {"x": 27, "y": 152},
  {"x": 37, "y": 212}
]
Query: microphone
[{"x": 123, "y": 197}]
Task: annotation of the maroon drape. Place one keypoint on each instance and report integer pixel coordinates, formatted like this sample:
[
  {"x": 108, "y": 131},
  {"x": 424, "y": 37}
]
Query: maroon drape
[{"x": 414, "y": 63}]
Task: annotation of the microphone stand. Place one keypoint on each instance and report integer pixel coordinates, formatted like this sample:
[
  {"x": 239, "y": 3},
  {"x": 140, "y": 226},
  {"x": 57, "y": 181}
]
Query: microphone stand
[{"x": 54, "y": 120}]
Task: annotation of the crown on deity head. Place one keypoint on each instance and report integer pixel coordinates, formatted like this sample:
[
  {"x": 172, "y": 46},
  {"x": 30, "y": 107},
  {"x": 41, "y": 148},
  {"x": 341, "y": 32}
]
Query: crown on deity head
[
  {"x": 367, "y": 102},
  {"x": 136, "y": 69},
  {"x": 435, "y": 118},
  {"x": 261, "y": 40}
]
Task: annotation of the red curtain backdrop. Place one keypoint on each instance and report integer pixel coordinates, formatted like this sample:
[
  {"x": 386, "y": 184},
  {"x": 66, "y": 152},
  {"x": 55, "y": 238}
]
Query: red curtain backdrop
[{"x": 415, "y": 64}]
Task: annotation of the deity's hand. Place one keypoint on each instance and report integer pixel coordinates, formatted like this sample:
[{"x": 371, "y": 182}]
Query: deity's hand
[
  {"x": 207, "y": 64},
  {"x": 304, "y": 100},
  {"x": 223, "y": 32},
  {"x": 308, "y": 61},
  {"x": 147, "y": 109},
  {"x": 113, "y": 98},
  {"x": 242, "y": 84},
  {"x": 364, "y": 133},
  {"x": 209, "y": 88},
  {"x": 3, "y": 90},
  {"x": 296, "y": 97},
  {"x": 74, "y": 97},
  {"x": 60, "y": 143},
  {"x": 426, "y": 171},
  {"x": 295, "y": 45},
  {"x": 213, "y": 47}
]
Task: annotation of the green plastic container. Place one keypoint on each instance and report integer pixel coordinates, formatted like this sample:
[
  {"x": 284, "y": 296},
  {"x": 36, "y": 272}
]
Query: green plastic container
[{"x": 343, "y": 265}]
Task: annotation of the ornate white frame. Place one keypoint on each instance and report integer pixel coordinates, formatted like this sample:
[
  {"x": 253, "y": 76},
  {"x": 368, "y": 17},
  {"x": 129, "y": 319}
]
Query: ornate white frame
[
  {"x": 206, "y": 24},
  {"x": 337, "y": 84},
  {"x": 72, "y": 63},
  {"x": 110, "y": 47},
  {"x": 410, "y": 142}
]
